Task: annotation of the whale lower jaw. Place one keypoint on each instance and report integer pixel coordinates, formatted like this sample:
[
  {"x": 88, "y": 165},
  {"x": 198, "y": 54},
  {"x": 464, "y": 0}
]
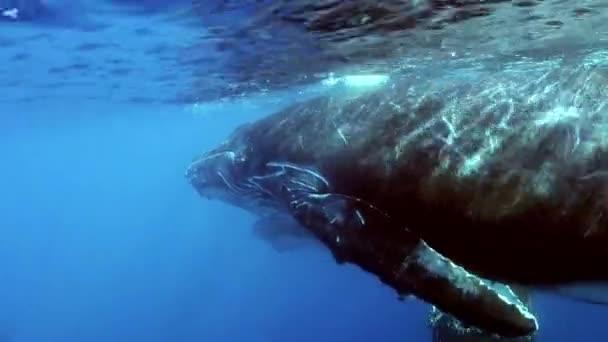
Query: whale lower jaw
[{"x": 586, "y": 292}]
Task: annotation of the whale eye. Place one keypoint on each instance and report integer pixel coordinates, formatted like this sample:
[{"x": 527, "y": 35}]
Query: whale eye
[{"x": 238, "y": 157}]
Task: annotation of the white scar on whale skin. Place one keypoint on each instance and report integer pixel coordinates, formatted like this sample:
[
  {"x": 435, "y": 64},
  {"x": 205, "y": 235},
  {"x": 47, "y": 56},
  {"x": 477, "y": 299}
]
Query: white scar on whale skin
[{"x": 286, "y": 165}]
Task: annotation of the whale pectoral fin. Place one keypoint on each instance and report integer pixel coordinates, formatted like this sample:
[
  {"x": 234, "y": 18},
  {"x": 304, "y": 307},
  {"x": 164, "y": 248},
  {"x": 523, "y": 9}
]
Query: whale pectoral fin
[
  {"x": 452, "y": 289},
  {"x": 357, "y": 232}
]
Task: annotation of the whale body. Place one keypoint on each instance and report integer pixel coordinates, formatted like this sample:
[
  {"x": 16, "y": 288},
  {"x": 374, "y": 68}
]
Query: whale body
[{"x": 441, "y": 189}]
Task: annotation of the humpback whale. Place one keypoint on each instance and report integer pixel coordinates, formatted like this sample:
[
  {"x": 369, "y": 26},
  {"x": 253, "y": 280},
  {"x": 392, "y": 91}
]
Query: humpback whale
[{"x": 440, "y": 189}]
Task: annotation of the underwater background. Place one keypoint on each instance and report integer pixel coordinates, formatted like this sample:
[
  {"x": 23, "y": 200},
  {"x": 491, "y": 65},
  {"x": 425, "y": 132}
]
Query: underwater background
[{"x": 103, "y": 104}]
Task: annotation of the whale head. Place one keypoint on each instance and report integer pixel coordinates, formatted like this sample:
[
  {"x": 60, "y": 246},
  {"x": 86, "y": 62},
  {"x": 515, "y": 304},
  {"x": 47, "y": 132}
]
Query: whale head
[
  {"x": 221, "y": 174},
  {"x": 234, "y": 174}
]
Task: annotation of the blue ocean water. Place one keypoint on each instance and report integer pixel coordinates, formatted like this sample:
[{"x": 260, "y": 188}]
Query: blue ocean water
[{"x": 104, "y": 240}]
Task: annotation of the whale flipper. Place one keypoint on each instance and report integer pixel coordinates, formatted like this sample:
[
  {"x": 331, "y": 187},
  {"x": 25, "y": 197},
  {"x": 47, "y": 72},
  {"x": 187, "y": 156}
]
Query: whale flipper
[{"x": 358, "y": 233}]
